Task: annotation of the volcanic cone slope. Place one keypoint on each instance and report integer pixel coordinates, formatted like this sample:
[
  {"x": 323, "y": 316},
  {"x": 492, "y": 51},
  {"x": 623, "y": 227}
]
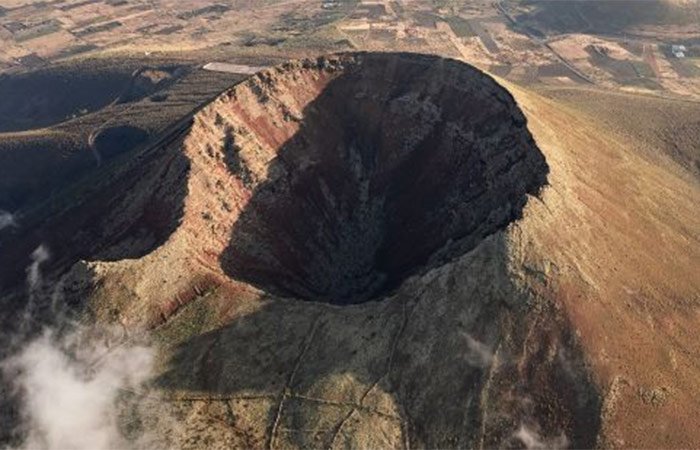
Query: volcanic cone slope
[
  {"x": 399, "y": 162},
  {"x": 398, "y": 177}
]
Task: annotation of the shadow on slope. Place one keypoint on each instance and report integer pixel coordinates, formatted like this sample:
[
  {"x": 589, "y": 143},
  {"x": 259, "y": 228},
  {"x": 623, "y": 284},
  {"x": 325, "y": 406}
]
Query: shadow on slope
[
  {"x": 122, "y": 210},
  {"x": 464, "y": 357}
]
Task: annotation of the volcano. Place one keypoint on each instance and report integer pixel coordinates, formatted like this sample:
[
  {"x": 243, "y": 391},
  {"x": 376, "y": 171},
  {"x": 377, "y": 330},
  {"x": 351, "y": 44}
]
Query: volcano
[{"x": 374, "y": 250}]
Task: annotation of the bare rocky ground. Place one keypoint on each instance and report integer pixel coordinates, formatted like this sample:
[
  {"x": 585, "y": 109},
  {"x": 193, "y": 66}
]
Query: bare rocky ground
[{"x": 550, "y": 291}]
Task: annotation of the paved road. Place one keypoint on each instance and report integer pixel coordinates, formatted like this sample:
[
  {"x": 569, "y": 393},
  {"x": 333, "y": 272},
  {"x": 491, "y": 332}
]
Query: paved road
[{"x": 232, "y": 68}]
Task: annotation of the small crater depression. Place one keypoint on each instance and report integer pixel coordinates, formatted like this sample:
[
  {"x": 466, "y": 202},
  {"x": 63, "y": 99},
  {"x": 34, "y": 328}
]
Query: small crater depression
[
  {"x": 50, "y": 96},
  {"x": 116, "y": 140},
  {"x": 398, "y": 164}
]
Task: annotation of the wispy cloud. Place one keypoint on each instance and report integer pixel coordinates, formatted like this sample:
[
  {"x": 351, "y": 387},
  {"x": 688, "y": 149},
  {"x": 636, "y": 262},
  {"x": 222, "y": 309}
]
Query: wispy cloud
[
  {"x": 66, "y": 377},
  {"x": 7, "y": 220},
  {"x": 35, "y": 281},
  {"x": 39, "y": 256},
  {"x": 478, "y": 353},
  {"x": 532, "y": 440},
  {"x": 69, "y": 387}
]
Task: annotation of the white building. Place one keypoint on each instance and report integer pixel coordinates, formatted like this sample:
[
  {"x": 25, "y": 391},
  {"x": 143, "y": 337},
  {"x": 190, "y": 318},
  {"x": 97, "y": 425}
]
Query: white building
[{"x": 678, "y": 51}]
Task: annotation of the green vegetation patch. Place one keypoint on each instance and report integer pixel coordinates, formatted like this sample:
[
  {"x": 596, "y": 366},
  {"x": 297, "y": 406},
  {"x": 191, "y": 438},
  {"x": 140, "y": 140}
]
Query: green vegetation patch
[
  {"x": 212, "y": 9},
  {"x": 48, "y": 27},
  {"x": 460, "y": 26},
  {"x": 643, "y": 69},
  {"x": 622, "y": 70},
  {"x": 634, "y": 47},
  {"x": 97, "y": 29},
  {"x": 424, "y": 19}
]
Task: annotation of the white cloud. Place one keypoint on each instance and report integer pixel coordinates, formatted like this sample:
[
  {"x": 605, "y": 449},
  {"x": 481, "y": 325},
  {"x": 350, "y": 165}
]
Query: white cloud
[
  {"x": 70, "y": 385},
  {"x": 68, "y": 378},
  {"x": 478, "y": 353},
  {"x": 39, "y": 256},
  {"x": 533, "y": 441},
  {"x": 7, "y": 220}
]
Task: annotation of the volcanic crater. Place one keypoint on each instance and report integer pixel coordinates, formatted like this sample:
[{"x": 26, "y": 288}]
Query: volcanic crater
[{"x": 375, "y": 167}]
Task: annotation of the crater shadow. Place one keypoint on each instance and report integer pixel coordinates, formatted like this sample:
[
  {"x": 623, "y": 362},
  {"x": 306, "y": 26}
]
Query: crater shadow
[{"x": 401, "y": 163}]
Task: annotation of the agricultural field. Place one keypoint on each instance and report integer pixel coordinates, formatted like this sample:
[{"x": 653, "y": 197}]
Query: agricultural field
[
  {"x": 620, "y": 45},
  {"x": 100, "y": 72}
]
